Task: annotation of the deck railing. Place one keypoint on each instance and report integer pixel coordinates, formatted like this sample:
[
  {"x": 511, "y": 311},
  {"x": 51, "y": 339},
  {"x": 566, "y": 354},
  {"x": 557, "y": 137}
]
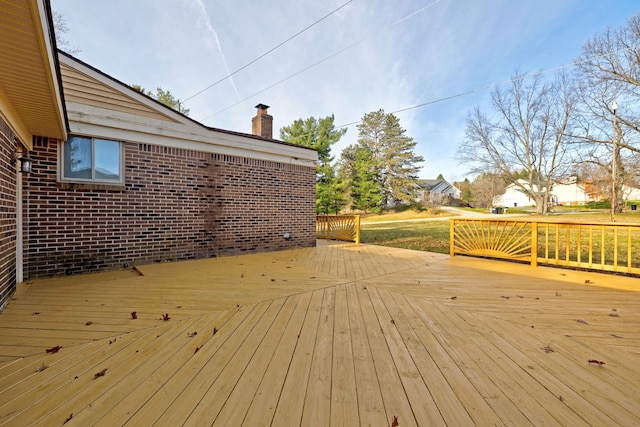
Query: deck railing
[
  {"x": 595, "y": 246},
  {"x": 338, "y": 227}
]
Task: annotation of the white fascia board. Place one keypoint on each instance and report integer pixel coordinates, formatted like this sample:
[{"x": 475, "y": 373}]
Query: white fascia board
[
  {"x": 98, "y": 122},
  {"x": 41, "y": 23}
]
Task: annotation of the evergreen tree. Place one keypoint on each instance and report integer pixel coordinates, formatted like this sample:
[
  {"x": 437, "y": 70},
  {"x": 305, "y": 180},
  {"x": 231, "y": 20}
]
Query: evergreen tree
[
  {"x": 319, "y": 134},
  {"x": 394, "y": 161},
  {"x": 365, "y": 187},
  {"x": 165, "y": 97}
]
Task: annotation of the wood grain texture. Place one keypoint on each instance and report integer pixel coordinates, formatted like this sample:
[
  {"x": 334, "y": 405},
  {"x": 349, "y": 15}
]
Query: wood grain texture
[{"x": 339, "y": 334}]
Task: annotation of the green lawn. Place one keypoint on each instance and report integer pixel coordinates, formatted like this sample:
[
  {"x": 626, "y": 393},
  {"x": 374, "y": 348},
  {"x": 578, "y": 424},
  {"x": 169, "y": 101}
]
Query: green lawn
[{"x": 422, "y": 236}]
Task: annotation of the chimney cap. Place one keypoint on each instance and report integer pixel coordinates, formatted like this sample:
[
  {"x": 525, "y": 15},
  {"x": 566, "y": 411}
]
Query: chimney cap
[{"x": 262, "y": 107}]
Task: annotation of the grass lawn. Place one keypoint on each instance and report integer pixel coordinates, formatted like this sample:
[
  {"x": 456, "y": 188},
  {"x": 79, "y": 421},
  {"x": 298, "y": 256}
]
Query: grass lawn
[
  {"x": 408, "y": 214},
  {"x": 422, "y": 236}
]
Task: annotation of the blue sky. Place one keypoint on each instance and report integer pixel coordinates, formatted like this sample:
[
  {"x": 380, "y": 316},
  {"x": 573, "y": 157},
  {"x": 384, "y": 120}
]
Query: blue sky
[{"x": 449, "y": 47}]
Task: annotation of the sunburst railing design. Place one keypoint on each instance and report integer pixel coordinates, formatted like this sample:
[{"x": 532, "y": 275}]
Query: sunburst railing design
[
  {"x": 495, "y": 239},
  {"x": 338, "y": 227},
  {"x": 595, "y": 246}
]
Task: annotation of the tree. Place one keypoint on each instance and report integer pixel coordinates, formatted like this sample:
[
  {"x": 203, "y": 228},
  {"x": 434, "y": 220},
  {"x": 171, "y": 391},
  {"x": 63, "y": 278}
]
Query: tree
[
  {"x": 366, "y": 190},
  {"x": 347, "y": 172},
  {"x": 165, "y": 97},
  {"x": 392, "y": 156},
  {"x": 60, "y": 30},
  {"x": 320, "y": 134},
  {"x": 529, "y": 132},
  {"x": 609, "y": 70},
  {"x": 466, "y": 191},
  {"x": 485, "y": 187}
]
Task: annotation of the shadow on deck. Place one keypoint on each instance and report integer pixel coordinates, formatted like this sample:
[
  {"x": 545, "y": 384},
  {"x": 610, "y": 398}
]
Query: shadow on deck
[{"x": 334, "y": 335}]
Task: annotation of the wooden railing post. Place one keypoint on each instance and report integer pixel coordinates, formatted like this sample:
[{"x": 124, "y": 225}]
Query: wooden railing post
[
  {"x": 357, "y": 223},
  {"x": 452, "y": 240},
  {"x": 534, "y": 244}
]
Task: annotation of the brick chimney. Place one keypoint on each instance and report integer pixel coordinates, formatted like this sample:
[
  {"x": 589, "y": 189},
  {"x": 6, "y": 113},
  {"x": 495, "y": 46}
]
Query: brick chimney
[{"x": 262, "y": 123}]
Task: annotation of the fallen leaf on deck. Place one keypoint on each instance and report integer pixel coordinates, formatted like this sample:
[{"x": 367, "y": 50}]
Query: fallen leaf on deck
[
  {"x": 89, "y": 323},
  {"x": 134, "y": 314},
  {"x": 35, "y": 312},
  {"x": 394, "y": 422},
  {"x": 54, "y": 349},
  {"x": 100, "y": 373},
  {"x": 43, "y": 367},
  {"x": 165, "y": 317},
  {"x": 192, "y": 334},
  {"x": 547, "y": 349},
  {"x": 68, "y": 419},
  {"x": 582, "y": 321},
  {"x": 596, "y": 362}
]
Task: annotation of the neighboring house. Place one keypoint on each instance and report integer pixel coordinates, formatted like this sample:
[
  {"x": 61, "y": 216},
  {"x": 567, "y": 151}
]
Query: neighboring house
[
  {"x": 630, "y": 193},
  {"x": 437, "y": 191},
  {"x": 120, "y": 179},
  {"x": 570, "y": 192},
  {"x": 567, "y": 193}
]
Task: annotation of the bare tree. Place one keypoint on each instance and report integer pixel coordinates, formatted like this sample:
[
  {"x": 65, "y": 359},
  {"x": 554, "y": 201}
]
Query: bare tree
[
  {"x": 532, "y": 119},
  {"x": 609, "y": 70},
  {"x": 61, "y": 29},
  {"x": 485, "y": 188}
]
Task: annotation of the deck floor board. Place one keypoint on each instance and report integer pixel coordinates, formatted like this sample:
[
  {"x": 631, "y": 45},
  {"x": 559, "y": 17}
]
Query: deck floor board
[{"x": 339, "y": 334}]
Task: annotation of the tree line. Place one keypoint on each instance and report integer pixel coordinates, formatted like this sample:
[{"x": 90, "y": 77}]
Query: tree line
[
  {"x": 538, "y": 129},
  {"x": 584, "y": 122},
  {"x": 379, "y": 171}
]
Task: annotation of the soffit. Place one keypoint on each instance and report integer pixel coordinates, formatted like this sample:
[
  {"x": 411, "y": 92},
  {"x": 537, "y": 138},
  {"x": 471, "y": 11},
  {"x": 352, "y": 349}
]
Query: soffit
[{"x": 28, "y": 75}]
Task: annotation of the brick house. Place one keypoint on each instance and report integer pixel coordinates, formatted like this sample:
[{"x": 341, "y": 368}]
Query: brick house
[{"x": 125, "y": 180}]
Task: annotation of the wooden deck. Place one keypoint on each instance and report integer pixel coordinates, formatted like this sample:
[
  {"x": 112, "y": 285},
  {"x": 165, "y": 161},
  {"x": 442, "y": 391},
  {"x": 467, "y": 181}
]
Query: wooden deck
[{"x": 339, "y": 335}]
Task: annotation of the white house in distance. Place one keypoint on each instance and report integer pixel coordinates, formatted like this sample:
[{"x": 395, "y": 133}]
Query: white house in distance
[
  {"x": 437, "y": 191},
  {"x": 568, "y": 193}
]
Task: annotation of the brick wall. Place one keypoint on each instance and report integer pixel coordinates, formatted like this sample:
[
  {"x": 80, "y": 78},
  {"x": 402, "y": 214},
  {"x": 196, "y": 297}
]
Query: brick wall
[
  {"x": 7, "y": 215},
  {"x": 176, "y": 204}
]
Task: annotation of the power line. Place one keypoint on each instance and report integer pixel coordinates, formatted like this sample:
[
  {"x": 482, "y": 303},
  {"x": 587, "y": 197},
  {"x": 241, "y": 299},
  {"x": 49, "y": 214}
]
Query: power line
[
  {"x": 268, "y": 52},
  {"x": 323, "y": 59},
  {"x": 493, "y": 85}
]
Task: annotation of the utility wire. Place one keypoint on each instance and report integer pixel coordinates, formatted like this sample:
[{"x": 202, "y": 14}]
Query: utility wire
[
  {"x": 324, "y": 59},
  {"x": 493, "y": 85},
  {"x": 268, "y": 52}
]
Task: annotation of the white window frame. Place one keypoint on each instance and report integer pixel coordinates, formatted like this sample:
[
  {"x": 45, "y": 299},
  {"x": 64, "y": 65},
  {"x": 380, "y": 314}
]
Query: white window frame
[{"x": 92, "y": 180}]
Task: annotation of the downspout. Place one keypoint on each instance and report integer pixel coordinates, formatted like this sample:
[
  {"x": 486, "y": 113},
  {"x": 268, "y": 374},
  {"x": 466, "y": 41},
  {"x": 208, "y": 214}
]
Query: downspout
[{"x": 19, "y": 228}]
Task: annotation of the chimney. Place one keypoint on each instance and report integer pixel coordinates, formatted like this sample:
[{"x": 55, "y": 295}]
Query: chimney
[{"x": 262, "y": 123}]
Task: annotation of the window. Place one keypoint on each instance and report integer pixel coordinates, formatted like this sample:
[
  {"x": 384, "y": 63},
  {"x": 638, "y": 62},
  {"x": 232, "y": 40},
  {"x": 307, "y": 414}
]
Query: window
[{"x": 87, "y": 159}]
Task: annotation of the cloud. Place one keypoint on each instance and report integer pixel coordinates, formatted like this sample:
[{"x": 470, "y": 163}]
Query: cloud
[{"x": 451, "y": 47}]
